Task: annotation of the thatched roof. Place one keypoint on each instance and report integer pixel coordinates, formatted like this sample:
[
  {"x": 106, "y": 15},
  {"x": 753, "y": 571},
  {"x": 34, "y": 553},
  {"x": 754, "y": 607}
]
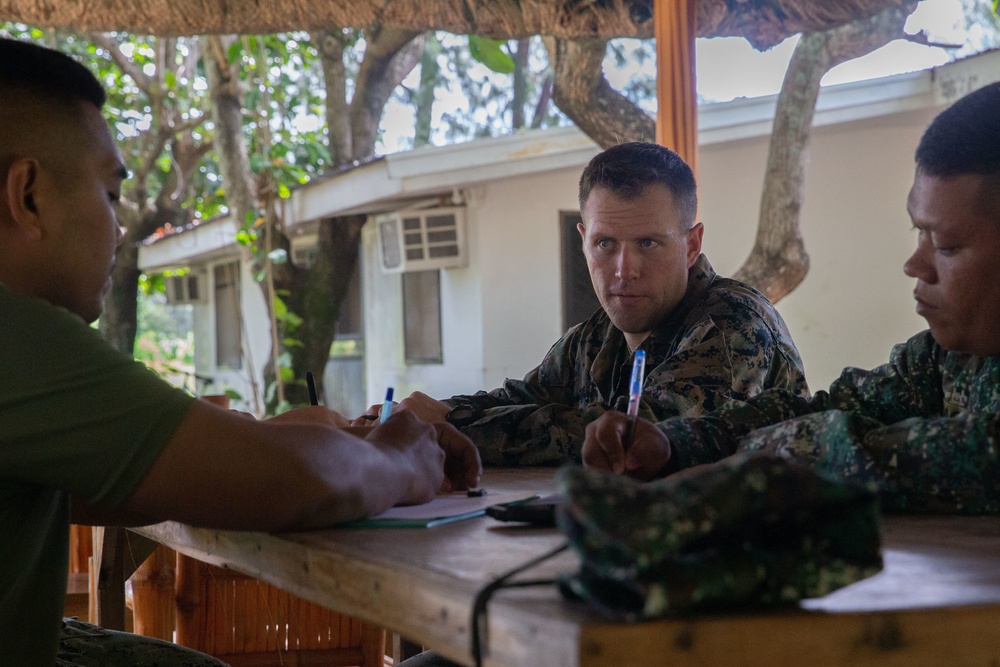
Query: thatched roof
[{"x": 763, "y": 22}]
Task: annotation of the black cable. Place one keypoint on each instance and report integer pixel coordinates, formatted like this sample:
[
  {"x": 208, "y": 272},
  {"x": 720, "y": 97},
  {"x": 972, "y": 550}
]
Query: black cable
[{"x": 484, "y": 595}]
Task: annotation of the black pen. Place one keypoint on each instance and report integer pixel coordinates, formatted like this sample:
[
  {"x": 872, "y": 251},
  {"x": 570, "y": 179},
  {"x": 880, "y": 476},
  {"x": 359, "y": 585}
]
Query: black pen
[{"x": 311, "y": 383}]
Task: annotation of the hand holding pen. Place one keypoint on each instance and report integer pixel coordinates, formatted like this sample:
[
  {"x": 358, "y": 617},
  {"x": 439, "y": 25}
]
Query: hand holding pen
[{"x": 624, "y": 443}]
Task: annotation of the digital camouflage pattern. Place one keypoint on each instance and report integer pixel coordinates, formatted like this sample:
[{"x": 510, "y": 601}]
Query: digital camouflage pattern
[
  {"x": 924, "y": 428},
  {"x": 723, "y": 341},
  {"x": 754, "y": 530}
]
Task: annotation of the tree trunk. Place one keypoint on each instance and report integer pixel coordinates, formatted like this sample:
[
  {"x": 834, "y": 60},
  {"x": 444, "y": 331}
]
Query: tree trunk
[
  {"x": 390, "y": 55},
  {"x": 118, "y": 322},
  {"x": 520, "y": 97},
  {"x": 584, "y": 94},
  {"x": 424, "y": 102},
  {"x": 330, "y": 46},
  {"x": 227, "y": 113},
  {"x": 778, "y": 261},
  {"x": 318, "y": 293},
  {"x": 542, "y": 107}
]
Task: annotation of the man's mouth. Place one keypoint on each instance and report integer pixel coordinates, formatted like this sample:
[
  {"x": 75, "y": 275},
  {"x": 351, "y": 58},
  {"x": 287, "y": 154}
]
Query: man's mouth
[{"x": 923, "y": 305}]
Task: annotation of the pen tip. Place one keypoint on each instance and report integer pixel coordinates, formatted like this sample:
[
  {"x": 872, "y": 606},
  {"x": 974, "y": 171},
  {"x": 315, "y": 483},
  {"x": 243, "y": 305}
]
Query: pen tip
[{"x": 388, "y": 394}]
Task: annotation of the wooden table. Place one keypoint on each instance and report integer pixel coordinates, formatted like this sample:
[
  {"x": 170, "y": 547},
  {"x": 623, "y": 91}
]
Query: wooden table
[{"x": 937, "y": 602}]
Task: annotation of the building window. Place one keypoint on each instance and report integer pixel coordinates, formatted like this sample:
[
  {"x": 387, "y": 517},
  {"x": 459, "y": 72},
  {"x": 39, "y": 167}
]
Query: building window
[
  {"x": 578, "y": 296},
  {"x": 349, "y": 320},
  {"x": 422, "y": 317},
  {"x": 228, "y": 339}
]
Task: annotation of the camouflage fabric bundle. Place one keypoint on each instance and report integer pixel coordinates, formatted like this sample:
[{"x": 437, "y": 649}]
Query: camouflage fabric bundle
[{"x": 748, "y": 531}]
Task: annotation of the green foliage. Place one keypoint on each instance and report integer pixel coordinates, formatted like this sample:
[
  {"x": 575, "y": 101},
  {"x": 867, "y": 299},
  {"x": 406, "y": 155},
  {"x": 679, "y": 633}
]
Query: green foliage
[
  {"x": 491, "y": 53},
  {"x": 478, "y": 97},
  {"x": 165, "y": 340}
]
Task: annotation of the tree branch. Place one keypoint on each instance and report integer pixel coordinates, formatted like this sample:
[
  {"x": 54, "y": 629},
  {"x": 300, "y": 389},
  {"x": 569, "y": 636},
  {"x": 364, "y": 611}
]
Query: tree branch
[
  {"x": 125, "y": 64},
  {"x": 778, "y": 261},
  {"x": 584, "y": 94}
]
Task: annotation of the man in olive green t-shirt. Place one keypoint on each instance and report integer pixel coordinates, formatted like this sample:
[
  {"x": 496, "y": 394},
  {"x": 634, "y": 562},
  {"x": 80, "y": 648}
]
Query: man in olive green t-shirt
[{"x": 88, "y": 435}]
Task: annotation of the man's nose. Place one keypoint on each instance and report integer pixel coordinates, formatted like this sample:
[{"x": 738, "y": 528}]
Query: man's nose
[
  {"x": 629, "y": 264},
  {"x": 920, "y": 264}
]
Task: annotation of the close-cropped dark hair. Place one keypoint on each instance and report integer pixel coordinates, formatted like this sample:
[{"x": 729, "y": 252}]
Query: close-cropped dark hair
[
  {"x": 46, "y": 74},
  {"x": 965, "y": 137},
  {"x": 626, "y": 170}
]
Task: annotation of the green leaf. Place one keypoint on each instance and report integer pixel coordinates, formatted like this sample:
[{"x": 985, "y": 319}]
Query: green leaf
[
  {"x": 170, "y": 79},
  {"x": 234, "y": 52},
  {"x": 233, "y": 394},
  {"x": 490, "y": 53},
  {"x": 292, "y": 342},
  {"x": 245, "y": 238},
  {"x": 285, "y": 193},
  {"x": 280, "y": 309}
]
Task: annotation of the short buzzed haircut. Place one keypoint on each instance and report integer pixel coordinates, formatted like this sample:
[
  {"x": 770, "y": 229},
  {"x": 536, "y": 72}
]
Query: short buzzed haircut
[
  {"x": 49, "y": 75},
  {"x": 627, "y": 169},
  {"x": 964, "y": 138}
]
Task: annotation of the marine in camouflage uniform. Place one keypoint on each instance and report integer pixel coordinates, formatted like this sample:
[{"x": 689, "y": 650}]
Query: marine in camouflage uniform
[
  {"x": 924, "y": 427},
  {"x": 723, "y": 341}
]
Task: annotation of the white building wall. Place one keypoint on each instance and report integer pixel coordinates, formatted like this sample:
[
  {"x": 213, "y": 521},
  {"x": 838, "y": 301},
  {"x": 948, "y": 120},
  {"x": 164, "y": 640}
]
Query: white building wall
[
  {"x": 461, "y": 324},
  {"x": 855, "y": 302},
  {"x": 499, "y": 314},
  {"x": 256, "y": 340},
  {"x": 521, "y": 254}
]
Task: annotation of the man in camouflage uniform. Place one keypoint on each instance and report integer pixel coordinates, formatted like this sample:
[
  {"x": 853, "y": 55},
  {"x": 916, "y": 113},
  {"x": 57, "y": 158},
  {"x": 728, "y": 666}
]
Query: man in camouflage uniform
[
  {"x": 925, "y": 426},
  {"x": 707, "y": 339}
]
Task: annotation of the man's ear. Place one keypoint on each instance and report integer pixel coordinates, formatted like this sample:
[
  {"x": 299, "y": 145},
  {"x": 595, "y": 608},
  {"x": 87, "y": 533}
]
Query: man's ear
[
  {"x": 583, "y": 230},
  {"x": 694, "y": 236},
  {"x": 20, "y": 189}
]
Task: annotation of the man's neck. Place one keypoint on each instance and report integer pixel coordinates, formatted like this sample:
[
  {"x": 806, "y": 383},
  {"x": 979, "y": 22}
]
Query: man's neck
[{"x": 634, "y": 340}]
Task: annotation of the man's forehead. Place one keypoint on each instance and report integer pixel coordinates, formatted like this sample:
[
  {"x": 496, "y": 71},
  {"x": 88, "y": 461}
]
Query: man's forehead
[{"x": 648, "y": 216}]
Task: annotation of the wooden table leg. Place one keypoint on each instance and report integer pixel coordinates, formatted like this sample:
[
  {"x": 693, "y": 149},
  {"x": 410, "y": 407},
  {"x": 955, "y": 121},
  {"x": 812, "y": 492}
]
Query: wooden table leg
[{"x": 117, "y": 554}]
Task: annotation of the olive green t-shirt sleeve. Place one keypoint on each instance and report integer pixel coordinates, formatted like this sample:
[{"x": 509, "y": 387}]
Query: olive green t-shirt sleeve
[{"x": 75, "y": 413}]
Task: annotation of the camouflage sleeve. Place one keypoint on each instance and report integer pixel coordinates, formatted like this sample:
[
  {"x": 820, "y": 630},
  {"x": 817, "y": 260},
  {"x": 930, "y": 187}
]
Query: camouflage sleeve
[
  {"x": 907, "y": 386},
  {"x": 531, "y": 421},
  {"x": 732, "y": 355},
  {"x": 696, "y": 441},
  {"x": 942, "y": 464}
]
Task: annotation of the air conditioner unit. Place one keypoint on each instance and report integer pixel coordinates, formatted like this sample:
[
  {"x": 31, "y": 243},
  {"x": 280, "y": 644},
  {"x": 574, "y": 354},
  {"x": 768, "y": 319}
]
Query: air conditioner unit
[
  {"x": 304, "y": 249},
  {"x": 414, "y": 240},
  {"x": 185, "y": 289}
]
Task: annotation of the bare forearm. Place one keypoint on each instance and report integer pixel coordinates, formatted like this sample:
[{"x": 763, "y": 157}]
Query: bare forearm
[{"x": 225, "y": 471}]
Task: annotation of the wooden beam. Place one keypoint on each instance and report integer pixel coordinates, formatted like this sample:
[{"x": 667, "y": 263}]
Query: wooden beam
[{"x": 676, "y": 88}]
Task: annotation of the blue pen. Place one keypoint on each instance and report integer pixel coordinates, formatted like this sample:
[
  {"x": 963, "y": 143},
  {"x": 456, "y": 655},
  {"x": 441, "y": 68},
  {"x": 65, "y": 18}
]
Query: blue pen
[
  {"x": 386, "y": 406},
  {"x": 634, "y": 394}
]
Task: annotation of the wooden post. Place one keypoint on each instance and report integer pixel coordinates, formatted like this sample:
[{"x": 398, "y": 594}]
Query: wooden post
[
  {"x": 153, "y": 595},
  {"x": 676, "y": 89}
]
